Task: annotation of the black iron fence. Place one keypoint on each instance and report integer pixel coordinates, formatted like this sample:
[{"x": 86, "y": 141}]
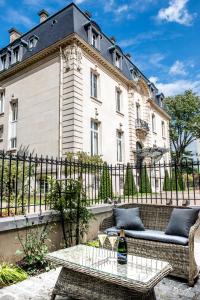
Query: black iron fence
[{"x": 25, "y": 182}]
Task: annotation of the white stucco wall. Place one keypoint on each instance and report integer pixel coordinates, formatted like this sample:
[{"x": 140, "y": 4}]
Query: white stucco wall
[
  {"x": 37, "y": 91},
  {"x": 107, "y": 116}
]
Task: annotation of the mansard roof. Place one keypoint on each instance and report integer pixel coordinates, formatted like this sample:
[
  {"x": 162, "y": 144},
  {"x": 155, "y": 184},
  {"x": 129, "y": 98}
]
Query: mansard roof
[{"x": 65, "y": 22}]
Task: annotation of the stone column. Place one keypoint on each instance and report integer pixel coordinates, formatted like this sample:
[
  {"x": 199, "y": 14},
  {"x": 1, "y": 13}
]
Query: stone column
[{"x": 72, "y": 113}]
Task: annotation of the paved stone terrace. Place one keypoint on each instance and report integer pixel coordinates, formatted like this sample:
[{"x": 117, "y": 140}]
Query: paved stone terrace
[{"x": 40, "y": 287}]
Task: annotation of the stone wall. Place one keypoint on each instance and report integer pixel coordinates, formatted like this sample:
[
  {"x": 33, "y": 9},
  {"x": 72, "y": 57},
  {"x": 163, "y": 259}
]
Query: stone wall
[{"x": 9, "y": 243}]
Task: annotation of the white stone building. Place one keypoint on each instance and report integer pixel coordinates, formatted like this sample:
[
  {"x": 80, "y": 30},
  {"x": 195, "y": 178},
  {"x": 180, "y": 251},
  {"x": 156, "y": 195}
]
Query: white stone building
[{"x": 65, "y": 86}]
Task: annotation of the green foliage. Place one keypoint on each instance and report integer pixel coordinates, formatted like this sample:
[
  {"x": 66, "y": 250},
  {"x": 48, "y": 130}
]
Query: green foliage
[
  {"x": 34, "y": 245},
  {"x": 67, "y": 198},
  {"x": 167, "y": 182},
  {"x": 145, "y": 186},
  {"x": 94, "y": 243},
  {"x": 130, "y": 188},
  {"x": 185, "y": 121},
  {"x": 15, "y": 174},
  {"x": 181, "y": 182},
  {"x": 174, "y": 181},
  {"x": 105, "y": 189},
  {"x": 10, "y": 274}
]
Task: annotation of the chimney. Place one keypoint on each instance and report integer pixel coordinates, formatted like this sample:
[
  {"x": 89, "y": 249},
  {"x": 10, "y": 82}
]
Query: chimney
[
  {"x": 113, "y": 39},
  {"x": 88, "y": 14},
  {"x": 14, "y": 34},
  {"x": 128, "y": 55},
  {"x": 43, "y": 14}
]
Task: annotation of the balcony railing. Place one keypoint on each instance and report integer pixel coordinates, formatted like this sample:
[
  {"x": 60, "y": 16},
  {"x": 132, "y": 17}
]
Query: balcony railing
[{"x": 142, "y": 125}]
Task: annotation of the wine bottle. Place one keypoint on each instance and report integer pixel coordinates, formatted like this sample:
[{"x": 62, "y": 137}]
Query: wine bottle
[{"x": 122, "y": 248}]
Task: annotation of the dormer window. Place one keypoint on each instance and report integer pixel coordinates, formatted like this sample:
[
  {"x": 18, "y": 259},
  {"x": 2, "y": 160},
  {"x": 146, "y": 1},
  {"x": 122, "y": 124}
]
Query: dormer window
[
  {"x": 94, "y": 34},
  {"x": 16, "y": 56},
  {"x": 3, "y": 62},
  {"x": 31, "y": 43},
  {"x": 95, "y": 40},
  {"x": 118, "y": 60}
]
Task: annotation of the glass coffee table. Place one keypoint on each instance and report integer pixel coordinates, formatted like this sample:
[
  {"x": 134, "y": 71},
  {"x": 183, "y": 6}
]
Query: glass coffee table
[{"x": 90, "y": 273}]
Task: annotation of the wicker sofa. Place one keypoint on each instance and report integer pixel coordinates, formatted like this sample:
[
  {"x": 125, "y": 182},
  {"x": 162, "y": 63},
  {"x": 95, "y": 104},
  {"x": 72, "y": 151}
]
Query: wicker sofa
[{"x": 156, "y": 217}]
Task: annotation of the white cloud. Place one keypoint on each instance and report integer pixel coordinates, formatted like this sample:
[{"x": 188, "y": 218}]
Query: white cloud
[
  {"x": 79, "y": 1},
  {"x": 109, "y": 4},
  {"x": 177, "y": 86},
  {"x": 177, "y": 68},
  {"x": 140, "y": 38},
  {"x": 121, "y": 9},
  {"x": 176, "y": 12},
  {"x": 15, "y": 17}
]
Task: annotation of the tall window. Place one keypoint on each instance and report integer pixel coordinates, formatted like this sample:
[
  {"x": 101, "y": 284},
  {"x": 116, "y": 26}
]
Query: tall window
[
  {"x": 119, "y": 146},
  {"x": 94, "y": 138},
  {"x": 153, "y": 123},
  {"x": 3, "y": 62},
  {"x": 1, "y": 133},
  {"x": 94, "y": 40},
  {"x": 94, "y": 85},
  {"x": 14, "y": 111},
  {"x": 16, "y": 54},
  {"x": 13, "y": 124},
  {"x": 138, "y": 113},
  {"x": 118, "y": 100},
  {"x": 117, "y": 60},
  {"x": 1, "y": 102},
  {"x": 163, "y": 128}
]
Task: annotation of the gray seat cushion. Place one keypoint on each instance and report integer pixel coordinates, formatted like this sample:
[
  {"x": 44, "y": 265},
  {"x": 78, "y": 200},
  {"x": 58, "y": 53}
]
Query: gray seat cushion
[
  {"x": 153, "y": 235},
  {"x": 128, "y": 218},
  {"x": 181, "y": 221}
]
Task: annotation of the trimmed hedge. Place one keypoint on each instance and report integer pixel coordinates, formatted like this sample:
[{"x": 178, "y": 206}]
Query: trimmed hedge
[
  {"x": 167, "y": 182},
  {"x": 130, "y": 188},
  {"x": 105, "y": 189},
  {"x": 145, "y": 186}
]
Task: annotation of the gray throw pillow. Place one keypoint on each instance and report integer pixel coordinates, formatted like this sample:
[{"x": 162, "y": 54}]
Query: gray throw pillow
[
  {"x": 181, "y": 221},
  {"x": 128, "y": 218}
]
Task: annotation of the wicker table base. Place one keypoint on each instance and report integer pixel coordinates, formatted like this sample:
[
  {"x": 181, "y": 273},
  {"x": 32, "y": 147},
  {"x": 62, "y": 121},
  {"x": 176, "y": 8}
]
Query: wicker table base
[{"x": 85, "y": 287}]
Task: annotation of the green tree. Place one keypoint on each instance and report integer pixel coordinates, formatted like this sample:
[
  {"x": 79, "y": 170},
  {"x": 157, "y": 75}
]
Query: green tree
[
  {"x": 105, "y": 189},
  {"x": 145, "y": 186},
  {"x": 129, "y": 185},
  {"x": 167, "y": 182},
  {"x": 184, "y": 128}
]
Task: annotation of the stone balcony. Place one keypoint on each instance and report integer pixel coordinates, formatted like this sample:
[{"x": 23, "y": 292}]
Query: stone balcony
[{"x": 142, "y": 128}]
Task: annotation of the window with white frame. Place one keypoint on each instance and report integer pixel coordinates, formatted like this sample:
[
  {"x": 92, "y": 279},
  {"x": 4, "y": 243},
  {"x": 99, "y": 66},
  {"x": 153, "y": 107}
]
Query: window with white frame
[
  {"x": 3, "y": 62},
  {"x": 1, "y": 133},
  {"x": 138, "y": 111},
  {"x": 13, "y": 124},
  {"x": 94, "y": 137},
  {"x": 118, "y": 100},
  {"x": 153, "y": 123},
  {"x": 14, "y": 111},
  {"x": 2, "y": 96},
  {"x": 95, "y": 40},
  {"x": 31, "y": 43},
  {"x": 118, "y": 60},
  {"x": 43, "y": 186},
  {"x": 94, "y": 78},
  {"x": 16, "y": 56},
  {"x": 119, "y": 146},
  {"x": 163, "y": 128}
]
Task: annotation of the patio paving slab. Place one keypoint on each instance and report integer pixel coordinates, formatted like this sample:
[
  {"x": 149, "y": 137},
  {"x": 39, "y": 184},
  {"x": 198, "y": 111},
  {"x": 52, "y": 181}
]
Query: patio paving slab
[{"x": 40, "y": 287}]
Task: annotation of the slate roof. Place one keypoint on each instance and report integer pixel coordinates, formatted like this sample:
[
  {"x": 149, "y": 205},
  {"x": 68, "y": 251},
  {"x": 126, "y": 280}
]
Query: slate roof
[{"x": 65, "y": 22}]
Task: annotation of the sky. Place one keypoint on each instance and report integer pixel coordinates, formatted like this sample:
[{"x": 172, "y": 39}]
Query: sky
[{"x": 162, "y": 36}]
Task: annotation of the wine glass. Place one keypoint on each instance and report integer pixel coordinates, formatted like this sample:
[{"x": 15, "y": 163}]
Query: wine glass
[
  {"x": 102, "y": 237},
  {"x": 112, "y": 236}
]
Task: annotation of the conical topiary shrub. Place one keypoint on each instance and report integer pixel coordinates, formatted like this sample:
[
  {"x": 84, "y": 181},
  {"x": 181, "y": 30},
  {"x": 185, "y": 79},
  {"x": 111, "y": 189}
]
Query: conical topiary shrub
[
  {"x": 145, "y": 186},
  {"x": 130, "y": 188},
  {"x": 181, "y": 182},
  {"x": 174, "y": 181},
  {"x": 167, "y": 182},
  {"x": 105, "y": 189}
]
